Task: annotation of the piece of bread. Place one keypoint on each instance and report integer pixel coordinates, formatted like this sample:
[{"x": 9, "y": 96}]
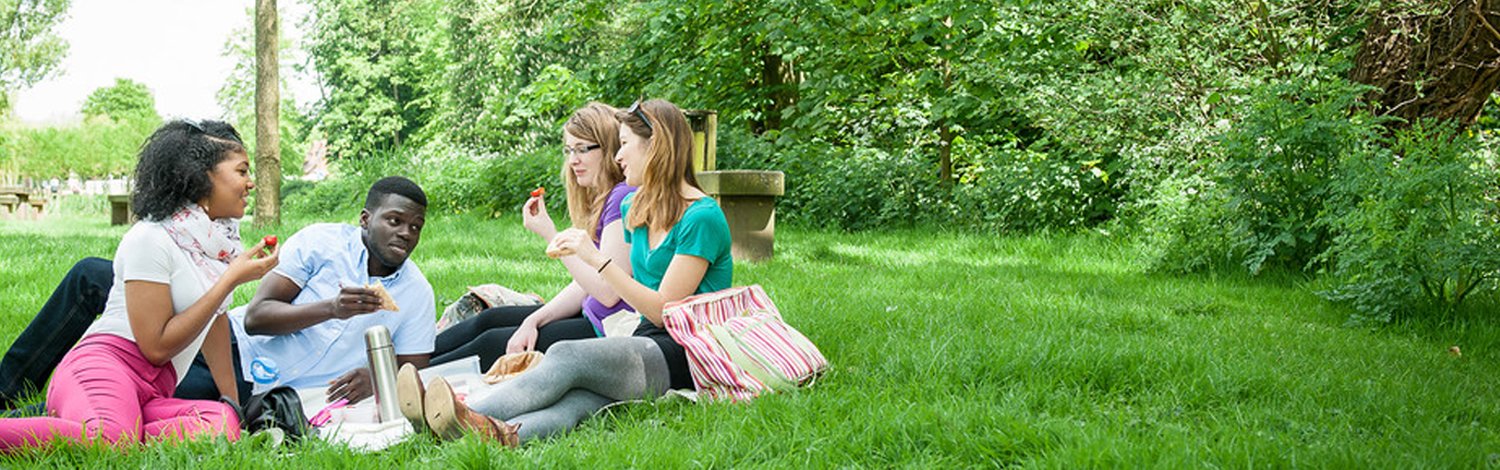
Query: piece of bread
[
  {"x": 554, "y": 251},
  {"x": 510, "y": 365},
  {"x": 386, "y": 301}
]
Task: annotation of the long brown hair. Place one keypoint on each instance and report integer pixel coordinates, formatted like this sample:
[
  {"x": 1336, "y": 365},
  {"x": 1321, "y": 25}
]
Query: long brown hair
[
  {"x": 595, "y": 123},
  {"x": 669, "y": 162}
]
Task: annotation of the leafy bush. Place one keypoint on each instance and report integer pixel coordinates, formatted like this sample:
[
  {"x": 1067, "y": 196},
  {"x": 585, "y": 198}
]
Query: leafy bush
[
  {"x": 1278, "y": 166},
  {"x": 499, "y": 183},
  {"x": 1419, "y": 225},
  {"x": 455, "y": 179},
  {"x": 343, "y": 195},
  {"x": 999, "y": 187},
  {"x": 1258, "y": 196},
  {"x": 1025, "y": 189}
]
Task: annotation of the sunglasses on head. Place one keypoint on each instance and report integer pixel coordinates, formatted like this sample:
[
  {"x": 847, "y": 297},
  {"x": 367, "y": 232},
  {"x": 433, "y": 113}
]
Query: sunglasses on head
[
  {"x": 636, "y": 110},
  {"x": 196, "y": 125}
]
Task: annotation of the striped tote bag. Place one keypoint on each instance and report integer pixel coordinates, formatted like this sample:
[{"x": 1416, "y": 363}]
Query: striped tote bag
[{"x": 738, "y": 346}]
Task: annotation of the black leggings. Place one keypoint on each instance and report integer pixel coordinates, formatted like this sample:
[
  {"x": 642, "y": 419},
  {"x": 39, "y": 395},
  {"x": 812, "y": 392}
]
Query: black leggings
[{"x": 487, "y": 334}]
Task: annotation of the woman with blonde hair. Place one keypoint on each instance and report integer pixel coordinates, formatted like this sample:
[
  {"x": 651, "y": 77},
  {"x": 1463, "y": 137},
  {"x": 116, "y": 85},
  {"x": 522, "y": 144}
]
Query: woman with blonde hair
[
  {"x": 679, "y": 247},
  {"x": 595, "y": 188}
]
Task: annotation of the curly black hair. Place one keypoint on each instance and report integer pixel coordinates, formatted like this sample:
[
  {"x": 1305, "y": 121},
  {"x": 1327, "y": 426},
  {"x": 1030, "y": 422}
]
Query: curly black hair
[{"x": 174, "y": 164}]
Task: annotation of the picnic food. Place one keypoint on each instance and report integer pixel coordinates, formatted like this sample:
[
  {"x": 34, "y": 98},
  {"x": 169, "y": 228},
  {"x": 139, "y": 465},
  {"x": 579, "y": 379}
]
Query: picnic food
[
  {"x": 386, "y": 301},
  {"x": 554, "y": 250},
  {"x": 510, "y": 365},
  {"x": 270, "y": 241},
  {"x": 538, "y": 192}
]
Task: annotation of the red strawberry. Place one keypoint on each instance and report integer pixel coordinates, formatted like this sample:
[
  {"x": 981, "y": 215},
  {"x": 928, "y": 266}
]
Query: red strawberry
[
  {"x": 270, "y": 241},
  {"x": 538, "y": 192}
]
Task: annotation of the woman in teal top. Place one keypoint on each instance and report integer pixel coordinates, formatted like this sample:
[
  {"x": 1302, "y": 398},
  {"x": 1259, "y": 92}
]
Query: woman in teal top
[{"x": 679, "y": 247}]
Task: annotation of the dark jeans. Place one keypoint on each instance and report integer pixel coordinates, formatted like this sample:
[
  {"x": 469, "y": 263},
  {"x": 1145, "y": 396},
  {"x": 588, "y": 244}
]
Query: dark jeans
[
  {"x": 199, "y": 384},
  {"x": 74, "y": 305},
  {"x": 78, "y": 300},
  {"x": 487, "y": 334}
]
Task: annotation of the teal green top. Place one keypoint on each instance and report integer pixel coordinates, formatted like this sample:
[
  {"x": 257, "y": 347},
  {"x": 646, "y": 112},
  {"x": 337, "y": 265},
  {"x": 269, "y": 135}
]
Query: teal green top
[{"x": 703, "y": 232}]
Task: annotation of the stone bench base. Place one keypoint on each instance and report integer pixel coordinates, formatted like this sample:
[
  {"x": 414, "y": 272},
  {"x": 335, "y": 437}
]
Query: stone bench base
[
  {"x": 119, "y": 210},
  {"x": 748, "y": 198}
]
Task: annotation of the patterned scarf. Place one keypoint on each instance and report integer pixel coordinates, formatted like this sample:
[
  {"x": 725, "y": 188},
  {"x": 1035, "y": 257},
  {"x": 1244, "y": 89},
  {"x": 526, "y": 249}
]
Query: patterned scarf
[{"x": 211, "y": 244}]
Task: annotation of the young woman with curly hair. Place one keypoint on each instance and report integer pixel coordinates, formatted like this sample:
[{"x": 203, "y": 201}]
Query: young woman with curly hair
[{"x": 174, "y": 273}]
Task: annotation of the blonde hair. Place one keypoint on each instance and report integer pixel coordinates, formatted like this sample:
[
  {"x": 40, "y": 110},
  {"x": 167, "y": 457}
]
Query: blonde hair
[
  {"x": 595, "y": 123},
  {"x": 669, "y": 162}
]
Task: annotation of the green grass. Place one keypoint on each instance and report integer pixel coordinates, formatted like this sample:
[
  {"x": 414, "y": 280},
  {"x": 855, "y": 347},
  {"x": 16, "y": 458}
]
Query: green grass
[{"x": 949, "y": 350}]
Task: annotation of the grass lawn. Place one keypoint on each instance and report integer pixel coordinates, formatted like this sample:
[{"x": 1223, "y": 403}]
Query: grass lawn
[{"x": 948, "y": 350}]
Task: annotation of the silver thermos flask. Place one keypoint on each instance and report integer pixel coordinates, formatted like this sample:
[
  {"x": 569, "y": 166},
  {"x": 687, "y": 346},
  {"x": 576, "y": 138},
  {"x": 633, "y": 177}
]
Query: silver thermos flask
[{"x": 383, "y": 370}]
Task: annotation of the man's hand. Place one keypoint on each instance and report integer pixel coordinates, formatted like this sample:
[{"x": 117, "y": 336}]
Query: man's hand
[
  {"x": 354, "y": 300},
  {"x": 355, "y": 386}
]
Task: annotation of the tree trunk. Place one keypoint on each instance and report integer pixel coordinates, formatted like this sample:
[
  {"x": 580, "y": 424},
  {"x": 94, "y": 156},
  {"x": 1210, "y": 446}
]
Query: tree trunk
[
  {"x": 267, "y": 117},
  {"x": 779, "y": 79},
  {"x": 1432, "y": 61}
]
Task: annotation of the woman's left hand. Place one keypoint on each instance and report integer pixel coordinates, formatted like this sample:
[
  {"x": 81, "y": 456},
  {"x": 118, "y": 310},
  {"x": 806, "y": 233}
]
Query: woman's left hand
[{"x": 576, "y": 242}]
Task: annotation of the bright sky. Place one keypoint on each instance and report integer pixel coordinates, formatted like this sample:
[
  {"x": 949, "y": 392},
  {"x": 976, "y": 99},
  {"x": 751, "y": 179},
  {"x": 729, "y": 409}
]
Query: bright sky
[{"x": 174, "y": 47}]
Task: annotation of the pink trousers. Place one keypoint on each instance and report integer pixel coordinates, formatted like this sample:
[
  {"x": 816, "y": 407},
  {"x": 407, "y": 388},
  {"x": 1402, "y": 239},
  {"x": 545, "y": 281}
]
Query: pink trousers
[{"x": 106, "y": 390}]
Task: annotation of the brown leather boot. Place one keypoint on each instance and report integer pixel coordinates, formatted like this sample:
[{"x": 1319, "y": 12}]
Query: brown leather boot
[
  {"x": 409, "y": 395},
  {"x": 449, "y": 418}
]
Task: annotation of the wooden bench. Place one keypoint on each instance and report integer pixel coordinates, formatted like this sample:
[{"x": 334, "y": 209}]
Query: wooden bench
[
  {"x": 9, "y": 204},
  {"x": 38, "y": 206},
  {"x": 119, "y": 210}
]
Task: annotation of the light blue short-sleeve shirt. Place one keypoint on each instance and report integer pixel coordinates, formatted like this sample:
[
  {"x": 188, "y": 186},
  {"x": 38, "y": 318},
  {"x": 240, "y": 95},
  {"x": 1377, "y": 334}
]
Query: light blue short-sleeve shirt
[{"x": 321, "y": 259}]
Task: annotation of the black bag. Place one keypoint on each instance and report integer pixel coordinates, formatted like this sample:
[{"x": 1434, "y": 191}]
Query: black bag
[{"x": 280, "y": 408}]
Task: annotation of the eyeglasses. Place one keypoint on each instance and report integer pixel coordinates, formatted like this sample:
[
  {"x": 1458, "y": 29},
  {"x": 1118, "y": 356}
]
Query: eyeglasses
[
  {"x": 580, "y": 150},
  {"x": 636, "y": 110}
]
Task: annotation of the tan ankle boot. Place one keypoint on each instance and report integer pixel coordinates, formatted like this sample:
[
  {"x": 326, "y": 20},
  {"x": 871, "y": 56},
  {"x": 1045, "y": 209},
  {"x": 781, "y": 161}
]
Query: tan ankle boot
[
  {"x": 409, "y": 394},
  {"x": 449, "y": 418}
]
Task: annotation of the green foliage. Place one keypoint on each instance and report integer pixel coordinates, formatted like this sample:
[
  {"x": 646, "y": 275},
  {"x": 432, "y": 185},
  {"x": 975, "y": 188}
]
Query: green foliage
[
  {"x": 237, "y": 96},
  {"x": 1278, "y": 167},
  {"x": 119, "y": 118},
  {"x": 126, "y": 100},
  {"x": 381, "y": 66},
  {"x": 518, "y": 69},
  {"x": 94, "y": 148},
  {"x": 30, "y": 49},
  {"x": 342, "y": 196},
  {"x": 1419, "y": 224}
]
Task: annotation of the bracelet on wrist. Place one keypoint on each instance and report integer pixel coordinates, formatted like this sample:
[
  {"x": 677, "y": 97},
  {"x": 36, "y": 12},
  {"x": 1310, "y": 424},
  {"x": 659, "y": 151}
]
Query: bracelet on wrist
[{"x": 605, "y": 265}]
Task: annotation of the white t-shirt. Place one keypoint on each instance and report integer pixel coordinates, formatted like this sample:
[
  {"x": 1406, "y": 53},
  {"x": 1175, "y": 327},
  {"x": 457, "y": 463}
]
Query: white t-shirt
[{"x": 147, "y": 253}]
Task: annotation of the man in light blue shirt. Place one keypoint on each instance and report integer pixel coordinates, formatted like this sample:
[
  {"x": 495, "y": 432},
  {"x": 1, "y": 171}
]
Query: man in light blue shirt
[
  {"x": 325, "y": 261},
  {"x": 305, "y": 326}
]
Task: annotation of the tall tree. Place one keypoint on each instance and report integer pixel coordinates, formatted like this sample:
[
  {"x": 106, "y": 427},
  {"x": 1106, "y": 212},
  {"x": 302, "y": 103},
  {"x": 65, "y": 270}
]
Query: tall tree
[
  {"x": 29, "y": 49},
  {"x": 237, "y": 95},
  {"x": 267, "y": 116},
  {"x": 1432, "y": 58}
]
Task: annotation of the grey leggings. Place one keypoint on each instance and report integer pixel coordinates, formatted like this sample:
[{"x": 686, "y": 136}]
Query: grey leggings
[{"x": 576, "y": 379}]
